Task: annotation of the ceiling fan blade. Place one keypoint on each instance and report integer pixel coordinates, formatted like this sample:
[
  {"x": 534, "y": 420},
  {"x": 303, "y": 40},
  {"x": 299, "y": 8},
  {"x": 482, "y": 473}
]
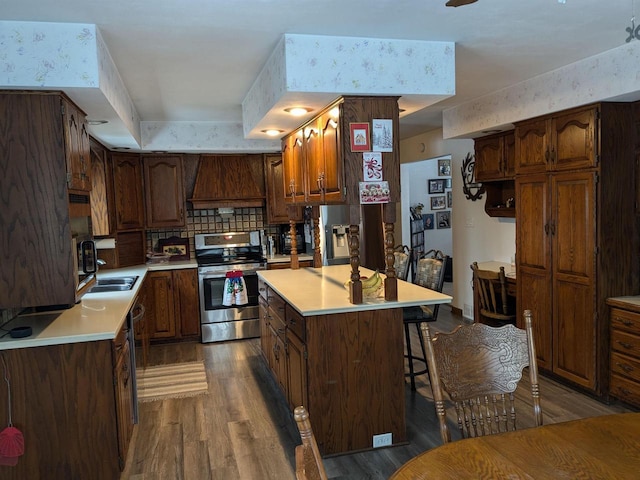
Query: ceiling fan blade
[{"x": 459, "y": 3}]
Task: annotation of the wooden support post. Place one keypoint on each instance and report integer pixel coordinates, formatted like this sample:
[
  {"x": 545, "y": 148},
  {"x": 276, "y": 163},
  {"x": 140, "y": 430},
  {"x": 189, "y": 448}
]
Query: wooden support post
[
  {"x": 391, "y": 282},
  {"x": 355, "y": 290},
  {"x": 317, "y": 256},
  {"x": 295, "y": 264}
]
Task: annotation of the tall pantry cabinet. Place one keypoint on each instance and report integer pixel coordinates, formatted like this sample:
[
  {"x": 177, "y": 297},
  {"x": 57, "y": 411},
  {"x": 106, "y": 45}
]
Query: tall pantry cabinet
[{"x": 576, "y": 233}]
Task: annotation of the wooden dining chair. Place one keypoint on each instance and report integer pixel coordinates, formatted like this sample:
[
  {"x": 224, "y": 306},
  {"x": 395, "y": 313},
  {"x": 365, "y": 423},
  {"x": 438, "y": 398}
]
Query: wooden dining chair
[
  {"x": 492, "y": 294},
  {"x": 479, "y": 367},
  {"x": 308, "y": 460},
  {"x": 430, "y": 272}
]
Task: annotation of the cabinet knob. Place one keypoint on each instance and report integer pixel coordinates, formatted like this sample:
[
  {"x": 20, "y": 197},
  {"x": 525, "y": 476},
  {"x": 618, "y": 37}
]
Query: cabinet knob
[{"x": 627, "y": 368}]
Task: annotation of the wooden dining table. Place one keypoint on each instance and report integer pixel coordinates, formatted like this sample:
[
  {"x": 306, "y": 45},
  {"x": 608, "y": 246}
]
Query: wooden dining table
[{"x": 606, "y": 447}]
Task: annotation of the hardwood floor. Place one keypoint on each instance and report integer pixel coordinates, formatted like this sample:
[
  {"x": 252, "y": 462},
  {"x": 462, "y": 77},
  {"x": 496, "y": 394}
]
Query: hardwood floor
[{"x": 242, "y": 429}]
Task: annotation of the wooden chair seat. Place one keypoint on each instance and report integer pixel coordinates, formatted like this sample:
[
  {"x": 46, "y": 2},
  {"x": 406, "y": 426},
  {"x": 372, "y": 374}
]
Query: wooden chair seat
[{"x": 479, "y": 367}]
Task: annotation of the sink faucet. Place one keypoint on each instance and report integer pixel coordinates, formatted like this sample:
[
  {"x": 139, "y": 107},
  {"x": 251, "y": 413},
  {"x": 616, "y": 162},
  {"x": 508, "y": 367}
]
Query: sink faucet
[{"x": 101, "y": 262}]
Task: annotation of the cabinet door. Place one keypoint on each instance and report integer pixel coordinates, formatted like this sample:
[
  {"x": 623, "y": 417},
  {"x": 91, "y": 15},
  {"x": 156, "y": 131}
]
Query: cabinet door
[
  {"x": 279, "y": 360},
  {"x": 332, "y": 174},
  {"x": 185, "y": 285},
  {"x": 124, "y": 402},
  {"x": 164, "y": 191},
  {"x": 77, "y": 147},
  {"x": 509, "y": 155},
  {"x": 314, "y": 160},
  {"x": 573, "y": 238},
  {"x": 127, "y": 182},
  {"x": 534, "y": 260},
  {"x": 574, "y": 143},
  {"x": 532, "y": 141},
  {"x": 265, "y": 337},
  {"x": 162, "y": 322},
  {"x": 297, "y": 371},
  {"x": 101, "y": 188},
  {"x": 293, "y": 164},
  {"x": 276, "y": 206},
  {"x": 489, "y": 154}
]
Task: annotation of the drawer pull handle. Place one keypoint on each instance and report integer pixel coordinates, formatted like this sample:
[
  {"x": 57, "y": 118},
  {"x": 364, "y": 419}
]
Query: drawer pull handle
[
  {"x": 625, "y": 391},
  {"x": 626, "y": 322},
  {"x": 292, "y": 321},
  {"x": 624, "y": 344},
  {"x": 282, "y": 329},
  {"x": 625, "y": 367}
]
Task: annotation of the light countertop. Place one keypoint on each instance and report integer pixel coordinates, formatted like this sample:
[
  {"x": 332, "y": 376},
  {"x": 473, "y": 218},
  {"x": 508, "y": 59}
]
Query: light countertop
[
  {"x": 279, "y": 258},
  {"x": 98, "y": 316},
  {"x": 321, "y": 291}
]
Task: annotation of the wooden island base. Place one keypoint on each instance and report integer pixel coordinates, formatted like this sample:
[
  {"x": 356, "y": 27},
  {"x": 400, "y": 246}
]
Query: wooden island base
[{"x": 343, "y": 362}]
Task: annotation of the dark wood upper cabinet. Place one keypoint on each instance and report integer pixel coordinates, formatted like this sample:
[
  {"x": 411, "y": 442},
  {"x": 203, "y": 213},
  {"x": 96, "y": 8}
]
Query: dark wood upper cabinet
[
  {"x": 102, "y": 218},
  {"x": 164, "y": 191},
  {"x": 77, "y": 156},
  {"x": 274, "y": 178},
  {"x": 128, "y": 191},
  {"x": 495, "y": 157},
  {"x": 319, "y": 163},
  {"x": 36, "y": 264},
  {"x": 293, "y": 158},
  {"x": 563, "y": 141}
]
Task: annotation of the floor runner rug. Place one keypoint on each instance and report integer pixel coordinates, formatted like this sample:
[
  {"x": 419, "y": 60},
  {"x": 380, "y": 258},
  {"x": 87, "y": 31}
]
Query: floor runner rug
[{"x": 171, "y": 381}]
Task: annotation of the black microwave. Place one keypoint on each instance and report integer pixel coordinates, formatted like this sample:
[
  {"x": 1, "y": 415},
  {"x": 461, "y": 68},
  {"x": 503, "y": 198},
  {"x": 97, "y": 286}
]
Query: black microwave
[{"x": 285, "y": 239}]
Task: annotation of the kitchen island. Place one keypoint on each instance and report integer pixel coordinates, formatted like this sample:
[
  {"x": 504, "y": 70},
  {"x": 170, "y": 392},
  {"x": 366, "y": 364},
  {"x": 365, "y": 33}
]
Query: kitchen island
[{"x": 343, "y": 362}]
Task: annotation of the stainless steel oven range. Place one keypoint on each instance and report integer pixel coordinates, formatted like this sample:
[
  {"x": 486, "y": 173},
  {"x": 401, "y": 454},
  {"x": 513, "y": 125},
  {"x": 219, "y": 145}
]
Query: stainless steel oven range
[{"x": 217, "y": 254}]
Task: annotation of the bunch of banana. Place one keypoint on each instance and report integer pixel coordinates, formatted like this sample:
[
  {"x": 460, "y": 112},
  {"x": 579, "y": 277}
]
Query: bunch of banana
[{"x": 371, "y": 285}]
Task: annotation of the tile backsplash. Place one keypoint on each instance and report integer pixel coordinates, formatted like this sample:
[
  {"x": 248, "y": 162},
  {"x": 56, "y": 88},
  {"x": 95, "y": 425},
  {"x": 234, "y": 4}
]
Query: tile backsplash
[{"x": 210, "y": 221}]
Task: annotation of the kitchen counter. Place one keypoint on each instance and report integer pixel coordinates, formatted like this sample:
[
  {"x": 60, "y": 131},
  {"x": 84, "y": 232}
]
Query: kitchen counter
[
  {"x": 98, "y": 316},
  {"x": 344, "y": 362},
  {"x": 317, "y": 291},
  {"x": 279, "y": 258}
]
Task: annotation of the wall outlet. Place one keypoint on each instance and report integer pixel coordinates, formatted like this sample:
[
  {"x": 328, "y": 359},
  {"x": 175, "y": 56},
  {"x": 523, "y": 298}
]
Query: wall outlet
[
  {"x": 382, "y": 440},
  {"x": 468, "y": 311}
]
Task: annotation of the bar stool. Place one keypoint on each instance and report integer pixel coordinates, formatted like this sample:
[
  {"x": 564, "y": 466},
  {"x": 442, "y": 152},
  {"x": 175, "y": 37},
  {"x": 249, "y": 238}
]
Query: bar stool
[{"x": 430, "y": 272}]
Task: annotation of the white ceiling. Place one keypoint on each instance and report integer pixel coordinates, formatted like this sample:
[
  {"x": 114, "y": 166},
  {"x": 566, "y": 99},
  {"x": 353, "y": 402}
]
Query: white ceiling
[{"x": 195, "y": 60}]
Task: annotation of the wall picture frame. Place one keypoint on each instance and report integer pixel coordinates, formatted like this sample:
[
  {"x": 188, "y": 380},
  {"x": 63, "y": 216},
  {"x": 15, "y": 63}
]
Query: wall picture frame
[
  {"x": 436, "y": 185},
  {"x": 444, "y": 167},
  {"x": 427, "y": 218},
  {"x": 176, "y": 247},
  {"x": 449, "y": 199},
  {"x": 360, "y": 137},
  {"x": 443, "y": 219},
  {"x": 438, "y": 202}
]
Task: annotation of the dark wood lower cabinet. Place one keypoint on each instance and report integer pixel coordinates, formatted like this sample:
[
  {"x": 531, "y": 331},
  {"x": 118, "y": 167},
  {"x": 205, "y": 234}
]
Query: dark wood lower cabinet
[
  {"x": 67, "y": 400},
  {"x": 173, "y": 310}
]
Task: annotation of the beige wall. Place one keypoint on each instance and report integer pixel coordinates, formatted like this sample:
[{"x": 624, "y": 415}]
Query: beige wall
[{"x": 476, "y": 236}]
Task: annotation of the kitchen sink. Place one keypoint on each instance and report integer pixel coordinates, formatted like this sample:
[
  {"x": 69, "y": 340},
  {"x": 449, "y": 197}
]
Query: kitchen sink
[{"x": 113, "y": 284}]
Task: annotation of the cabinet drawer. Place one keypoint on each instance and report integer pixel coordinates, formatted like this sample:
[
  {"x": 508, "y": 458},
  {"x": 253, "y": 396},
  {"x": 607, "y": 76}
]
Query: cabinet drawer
[
  {"x": 277, "y": 321},
  {"x": 626, "y": 366},
  {"x": 296, "y": 322},
  {"x": 623, "y": 320},
  {"x": 625, "y": 342},
  {"x": 276, "y": 305},
  {"x": 625, "y": 389}
]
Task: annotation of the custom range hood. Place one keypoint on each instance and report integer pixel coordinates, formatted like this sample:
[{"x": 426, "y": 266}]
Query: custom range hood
[{"x": 229, "y": 181}]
